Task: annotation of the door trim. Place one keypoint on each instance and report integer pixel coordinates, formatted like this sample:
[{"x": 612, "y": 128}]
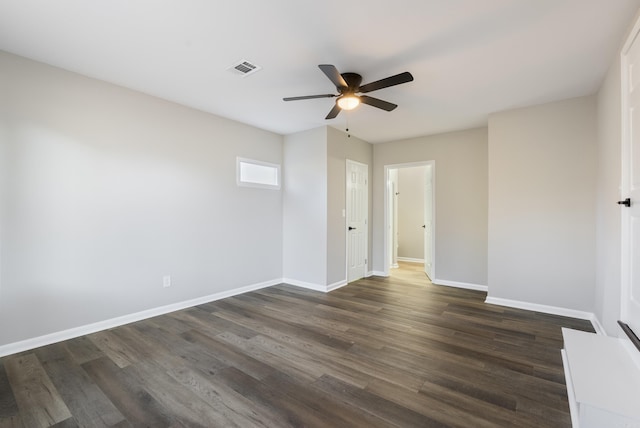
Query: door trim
[
  {"x": 347, "y": 205},
  {"x": 625, "y": 188},
  {"x": 430, "y": 170}
]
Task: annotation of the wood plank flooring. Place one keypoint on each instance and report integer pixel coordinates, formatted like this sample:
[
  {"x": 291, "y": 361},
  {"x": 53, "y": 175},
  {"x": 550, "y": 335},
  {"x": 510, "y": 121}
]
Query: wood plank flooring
[{"x": 380, "y": 352}]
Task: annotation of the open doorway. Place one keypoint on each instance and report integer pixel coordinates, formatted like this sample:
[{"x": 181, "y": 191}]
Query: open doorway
[
  {"x": 410, "y": 216},
  {"x": 410, "y": 271}
]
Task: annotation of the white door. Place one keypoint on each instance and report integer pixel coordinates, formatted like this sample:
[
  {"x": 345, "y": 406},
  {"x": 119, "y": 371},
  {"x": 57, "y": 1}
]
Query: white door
[
  {"x": 428, "y": 221},
  {"x": 357, "y": 214},
  {"x": 630, "y": 307}
]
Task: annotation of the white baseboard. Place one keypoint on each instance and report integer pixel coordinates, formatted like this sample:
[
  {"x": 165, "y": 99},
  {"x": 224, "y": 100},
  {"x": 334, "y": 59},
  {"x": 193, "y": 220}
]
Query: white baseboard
[
  {"x": 554, "y": 310},
  {"x": 307, "y": 285},
  {"x": 336, "y": 285},
  {"x": 48, "y": 339},
  {"x": 457, "y": 284},
  {"x": 379, "y": 273},
  {"x": 597, "y": 325},
  {"x": 315, "y": 287},
  {"x": 24, "y": 345},
  {"x": 410, "y": 260}
]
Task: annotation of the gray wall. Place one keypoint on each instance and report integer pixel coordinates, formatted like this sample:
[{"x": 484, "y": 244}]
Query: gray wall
[
  {"x": 411, "y": 183},
  {"x": 107, "y": 190},
  {"x": 104, "y": 190},
  {"x": 542, "y": 183},
  {"x": 314, "y": 198},
  {"x": 461, "y": 200},
  {"x": 305, "y": 207}
]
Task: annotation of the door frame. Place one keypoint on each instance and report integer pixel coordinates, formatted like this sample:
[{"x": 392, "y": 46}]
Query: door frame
[
  {"x": 625, "y": 187},
  {"x": 347, "y": 211},
  {"x": 429, "y": 170},
  {"x": 385, "y": 226}
]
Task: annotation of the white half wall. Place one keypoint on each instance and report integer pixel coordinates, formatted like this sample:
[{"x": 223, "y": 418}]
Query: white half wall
[
  {"x": 542, "y": 181},
  {"x": 107, "y": 190},
  {"x": 461, "y": 200}
]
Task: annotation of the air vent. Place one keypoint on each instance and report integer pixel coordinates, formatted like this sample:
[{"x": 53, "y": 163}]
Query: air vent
[{"x": 244, "y": 68}]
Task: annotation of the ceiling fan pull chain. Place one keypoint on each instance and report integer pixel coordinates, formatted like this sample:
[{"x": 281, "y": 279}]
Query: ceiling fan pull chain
[{"x": 347, "y": 129}]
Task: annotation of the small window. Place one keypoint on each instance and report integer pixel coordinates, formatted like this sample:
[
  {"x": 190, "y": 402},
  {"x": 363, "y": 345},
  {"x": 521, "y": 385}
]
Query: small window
[{"x": 253, "y": 173}]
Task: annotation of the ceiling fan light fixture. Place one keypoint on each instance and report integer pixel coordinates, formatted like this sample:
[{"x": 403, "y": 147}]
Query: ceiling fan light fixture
[
  {"x": 348, "y": 85},
  {"x": 348, "y": 102}
]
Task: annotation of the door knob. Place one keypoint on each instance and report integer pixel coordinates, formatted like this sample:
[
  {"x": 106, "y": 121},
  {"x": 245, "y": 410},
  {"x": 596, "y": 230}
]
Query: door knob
[
  {"x": 626, "y": 202},
  {"x": 352, "y": 228},
  {"x": 424, "y": 226}
]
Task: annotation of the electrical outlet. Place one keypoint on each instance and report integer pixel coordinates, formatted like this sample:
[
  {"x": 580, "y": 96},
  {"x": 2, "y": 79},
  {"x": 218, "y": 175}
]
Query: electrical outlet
[{"x": 166, "y": 281}]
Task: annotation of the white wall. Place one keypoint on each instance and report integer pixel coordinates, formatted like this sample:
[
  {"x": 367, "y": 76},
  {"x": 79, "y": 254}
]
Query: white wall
[
  {"x": 461, "y": 200},
  {"x": 305, "y": 207},
  {"x": 109, "y": 190},
  {"x": 411, "y": 183},
  {"x": 542, "y": 182}
]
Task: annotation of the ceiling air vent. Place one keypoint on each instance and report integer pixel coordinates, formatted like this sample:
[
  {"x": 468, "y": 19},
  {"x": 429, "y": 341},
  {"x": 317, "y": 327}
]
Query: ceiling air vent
[{"x": 244, "y": 68}]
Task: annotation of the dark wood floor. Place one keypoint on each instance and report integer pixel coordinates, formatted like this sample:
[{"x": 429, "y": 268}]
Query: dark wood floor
[{"x": 382, "y": 352}]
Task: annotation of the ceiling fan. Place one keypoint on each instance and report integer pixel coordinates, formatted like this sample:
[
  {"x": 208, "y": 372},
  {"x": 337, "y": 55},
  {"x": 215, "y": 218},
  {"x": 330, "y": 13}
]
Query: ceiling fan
[{"x": 348, "y": 86}]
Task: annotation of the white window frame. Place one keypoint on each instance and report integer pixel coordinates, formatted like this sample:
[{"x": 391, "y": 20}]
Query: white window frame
[{"x": 241, "y": 183}]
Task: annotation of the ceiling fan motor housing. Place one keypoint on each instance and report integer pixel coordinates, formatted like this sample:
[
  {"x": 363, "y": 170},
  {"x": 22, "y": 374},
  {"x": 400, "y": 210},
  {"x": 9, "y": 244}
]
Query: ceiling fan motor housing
[{"x": 353, "y": 83}]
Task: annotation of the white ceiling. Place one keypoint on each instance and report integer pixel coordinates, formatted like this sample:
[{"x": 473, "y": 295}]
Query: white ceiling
[{"x": 469, "y": 58}]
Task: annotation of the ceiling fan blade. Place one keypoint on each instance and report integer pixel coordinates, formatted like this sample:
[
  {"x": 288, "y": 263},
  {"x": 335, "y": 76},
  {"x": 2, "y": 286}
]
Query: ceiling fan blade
[
  {"x": 385, "y": 83},
  {"x": 334, "y": 112},
  {"x": 334, "y": 75},
  {"x": 375, "y": 102},
  {"x": 309, "y": 97}
]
